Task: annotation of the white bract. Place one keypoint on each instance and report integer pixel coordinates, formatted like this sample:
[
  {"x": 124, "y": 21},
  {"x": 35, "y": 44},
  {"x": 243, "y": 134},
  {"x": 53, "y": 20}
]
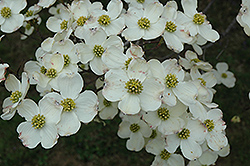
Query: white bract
[
  {"x": 3, "y": 68},
  {"x": 243, "y": 16},
  {"x": 140, "y": 3},
  {"x": 107, "y": 109},
  {"x": 46, "y": 3}
]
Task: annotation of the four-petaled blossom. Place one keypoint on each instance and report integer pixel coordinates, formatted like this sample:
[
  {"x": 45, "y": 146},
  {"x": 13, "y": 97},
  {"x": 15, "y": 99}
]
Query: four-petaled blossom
[
  {"x": 144, "y": 23},
  {"x": 223, "y": 75},
  {"x": 18, "y": 92},
  {"x": 40, "y": 125},
  {"x": 10, "y": 19},
  {"x": 132, "y": 88},
  {"x": 135, "y": 129}
]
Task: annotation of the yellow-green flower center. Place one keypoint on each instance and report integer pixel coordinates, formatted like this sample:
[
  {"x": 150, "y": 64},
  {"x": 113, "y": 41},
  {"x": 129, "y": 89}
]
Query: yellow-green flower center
[
  {"x": 165, "y": 154},
  {"x": 163, "y": 113},
  {"x": 15, "y": 96},
  {"x": 134, "y": 127},
  {"x": 82, "y": 66},
  {"x": 153, "y": 134},
  {"x": 203, "y": 82},
  {"x": 224, "y": 75},
  {"x": 28, "y": 26},
  {"x": 140, "y": 1},
  {"x": 68, "y": 104},
  {"x": 58, "y": 11},
  {"x": 29, "y": 13},
  {"x": 127, "y": 62},
  {"x": 43, "y": 70},
  {"x": 195, "y": 60},
  {"x": 171, "y": 80},
  {"x": 209, "y": 124},
  {"x": 143, "y": 23},
  {"x": 38, "y": 121},
  {"x": 134, "y": 86},
  {"x": 64, "y": 25},
  {"x": 66, "y": 60},
  {"x": 104, "y": 20},
  {"x": 184, "y": 134},
  {"x": 106, "y": 103},
  {"x": 6, "y": 12},
  {"x": 51, "y": 73},
  {"x": 170, "y": 26},
  {"x": 98, "y": 50},
  {"x": 81, "y": 21},
  {"x": 199, "y": 19}
]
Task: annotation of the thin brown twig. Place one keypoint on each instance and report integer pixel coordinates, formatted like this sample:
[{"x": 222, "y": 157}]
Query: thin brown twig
[{"x": 208, "y": 6}]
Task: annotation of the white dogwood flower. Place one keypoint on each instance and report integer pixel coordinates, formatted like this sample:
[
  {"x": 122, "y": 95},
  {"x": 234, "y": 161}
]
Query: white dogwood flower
[
  {"x": 40, "y": 125},
  {"x": 144, "y": 23},
  {"x": 223, "y": 75},
  {"x": 216, "y": 139},
  {"x": 172, "y": 76},
  {"x": 174, "y": 34},
  {"x": 162, "y": 156},
  {"x": 110, "y": 21},
  {"x": 188, "y": 138},
  {"x": 132, "y": 88},
  {"x": 166, "y": 118},
  {"x": 135, "y": 129},
  {"x": 76, "y": 107},
  {"x": 18, "y": 92},
  {"x": 196, "y": 22},
  {"x": 10, "y": 19}
]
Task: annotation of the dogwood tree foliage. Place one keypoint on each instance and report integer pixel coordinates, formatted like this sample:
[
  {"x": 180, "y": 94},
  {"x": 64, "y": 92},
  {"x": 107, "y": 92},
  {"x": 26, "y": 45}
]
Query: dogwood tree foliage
[{"x": 164, "y": 105}]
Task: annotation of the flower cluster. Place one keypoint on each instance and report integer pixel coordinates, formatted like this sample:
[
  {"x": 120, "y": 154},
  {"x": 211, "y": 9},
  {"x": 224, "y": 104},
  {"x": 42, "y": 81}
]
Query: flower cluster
[{"x": 164, "y": 106}]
